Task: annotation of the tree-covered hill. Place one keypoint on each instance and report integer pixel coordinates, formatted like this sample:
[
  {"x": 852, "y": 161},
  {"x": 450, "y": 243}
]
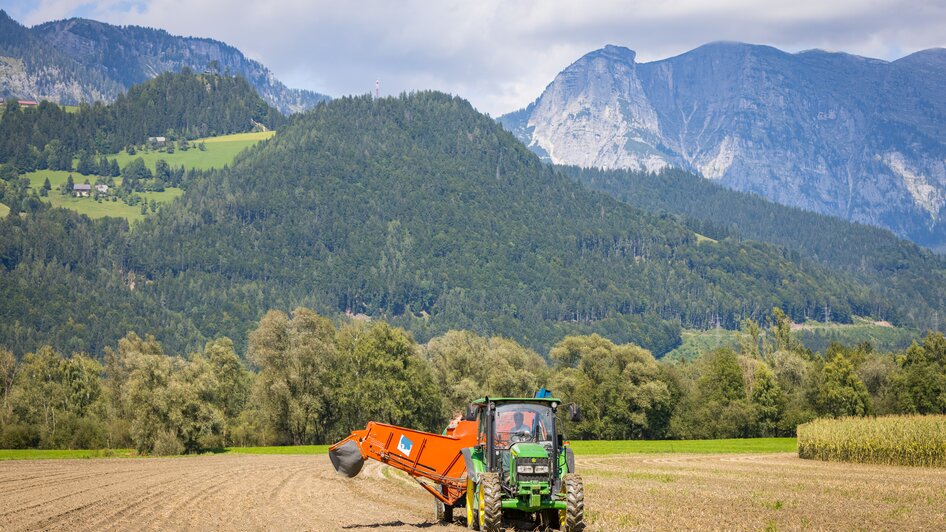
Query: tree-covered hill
[
  {"x": 424, "y": 212},
  {"x": 421, "y": 210},
  {"x": 907, "y": 275},
  {"x": 63, "y": 283},
  {"x": 184, "y": 105}
]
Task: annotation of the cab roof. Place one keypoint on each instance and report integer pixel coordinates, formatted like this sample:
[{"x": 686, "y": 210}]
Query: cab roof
[{"x": 507, "y": 400}]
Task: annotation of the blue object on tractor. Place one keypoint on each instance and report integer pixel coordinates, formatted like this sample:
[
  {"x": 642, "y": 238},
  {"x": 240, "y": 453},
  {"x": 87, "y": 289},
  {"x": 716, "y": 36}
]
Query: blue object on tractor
[{"x": 543, "y": 394}]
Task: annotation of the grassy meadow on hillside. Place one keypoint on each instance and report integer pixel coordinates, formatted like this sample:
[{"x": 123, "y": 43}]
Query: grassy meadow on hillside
[
  {"x": 812, "y": 334},
  {"x": 90, "y": 206},
  {"x": 4, "y": 210},
  {"x": 219, "y": 152}
]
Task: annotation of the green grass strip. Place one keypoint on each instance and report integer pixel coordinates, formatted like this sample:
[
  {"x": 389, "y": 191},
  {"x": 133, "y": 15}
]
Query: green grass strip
[
  {"x": 287, "y": 449},
  {"x": 748, "y": 445},
  {"x": 64, "y": 454},
  {"x": 595, "y": 447}
]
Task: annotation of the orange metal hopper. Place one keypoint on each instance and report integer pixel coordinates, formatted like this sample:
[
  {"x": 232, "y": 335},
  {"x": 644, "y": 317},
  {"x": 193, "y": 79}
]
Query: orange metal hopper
[{"x": 435, "y": 461}]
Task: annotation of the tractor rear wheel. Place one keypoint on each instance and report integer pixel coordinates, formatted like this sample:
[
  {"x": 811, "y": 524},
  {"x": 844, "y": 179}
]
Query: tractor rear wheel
[
  {"x": 491, "y": 503},
  {"x": 574, "y": 514}
]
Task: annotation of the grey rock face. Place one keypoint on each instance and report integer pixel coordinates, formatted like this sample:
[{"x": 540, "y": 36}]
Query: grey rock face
[
  {"x": 858, "y": 138},
  {"x": 79, "y": 60}
]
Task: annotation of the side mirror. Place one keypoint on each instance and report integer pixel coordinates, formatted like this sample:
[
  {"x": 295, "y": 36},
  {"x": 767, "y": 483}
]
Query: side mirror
[{"x": 574, "y": 413}]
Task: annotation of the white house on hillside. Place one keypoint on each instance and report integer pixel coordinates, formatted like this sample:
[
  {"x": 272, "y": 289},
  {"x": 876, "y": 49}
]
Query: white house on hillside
[{"x": 82, "y": 189}]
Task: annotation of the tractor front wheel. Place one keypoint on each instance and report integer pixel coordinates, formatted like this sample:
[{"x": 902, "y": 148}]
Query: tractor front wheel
[
  {"x": 573, "y": 517},
  {"x": 491, "y": 503}
]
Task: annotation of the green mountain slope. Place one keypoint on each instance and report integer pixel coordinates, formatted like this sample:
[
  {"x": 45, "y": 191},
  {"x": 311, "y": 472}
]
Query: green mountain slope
[
  {"x": 906, "y": 275},
  {"x": 423, "y": 211},
  {"x": 63, "y": 283}
]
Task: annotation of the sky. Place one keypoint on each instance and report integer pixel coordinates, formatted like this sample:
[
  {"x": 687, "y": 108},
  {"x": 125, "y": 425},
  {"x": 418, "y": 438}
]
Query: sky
[{"x": 500, "y": 54}]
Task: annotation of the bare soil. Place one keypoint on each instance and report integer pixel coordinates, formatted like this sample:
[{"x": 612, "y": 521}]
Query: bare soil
[{"x": 648, "y": 492}]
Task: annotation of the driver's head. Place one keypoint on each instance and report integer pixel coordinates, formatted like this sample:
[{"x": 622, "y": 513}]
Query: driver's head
[{"x": 518, "y": 418}]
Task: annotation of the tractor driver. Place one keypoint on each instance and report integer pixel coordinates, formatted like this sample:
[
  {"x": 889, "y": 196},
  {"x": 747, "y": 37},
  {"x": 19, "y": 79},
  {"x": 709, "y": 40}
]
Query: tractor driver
[{"x": 519, "y": 432}]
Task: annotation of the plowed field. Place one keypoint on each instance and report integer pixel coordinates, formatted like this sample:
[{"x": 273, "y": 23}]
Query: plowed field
[{"x": 668, "y": 491}]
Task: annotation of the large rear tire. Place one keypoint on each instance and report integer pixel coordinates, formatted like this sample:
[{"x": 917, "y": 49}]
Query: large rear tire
[
  {"x": 574, "y": 514},
  {"x": 491, "y": 503}
]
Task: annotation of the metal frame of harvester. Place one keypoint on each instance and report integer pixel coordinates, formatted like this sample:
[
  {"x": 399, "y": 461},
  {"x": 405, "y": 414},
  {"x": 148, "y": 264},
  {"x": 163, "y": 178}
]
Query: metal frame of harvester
[{"x": 484, "y": 463}]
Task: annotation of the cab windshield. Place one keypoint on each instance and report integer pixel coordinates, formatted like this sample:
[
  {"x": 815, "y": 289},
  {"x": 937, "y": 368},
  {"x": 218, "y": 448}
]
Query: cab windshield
[{"x": 522, "y": 423}]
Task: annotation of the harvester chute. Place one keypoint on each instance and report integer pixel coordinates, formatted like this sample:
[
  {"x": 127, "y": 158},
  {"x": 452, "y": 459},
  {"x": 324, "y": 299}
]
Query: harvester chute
[{"x": 431, "y": 459}]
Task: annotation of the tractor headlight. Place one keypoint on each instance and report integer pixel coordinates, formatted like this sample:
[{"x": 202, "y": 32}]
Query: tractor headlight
[
  {"x": 524, "y": 469},
  {"x": 541, "y": 470}
]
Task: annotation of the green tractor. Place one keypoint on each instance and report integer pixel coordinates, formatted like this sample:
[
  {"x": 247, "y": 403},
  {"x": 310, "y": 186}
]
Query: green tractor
[{"x": 523, "y": 471}]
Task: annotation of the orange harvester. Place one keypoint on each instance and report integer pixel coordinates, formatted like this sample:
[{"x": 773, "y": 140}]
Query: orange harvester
[{"x": 435, "y": 461}]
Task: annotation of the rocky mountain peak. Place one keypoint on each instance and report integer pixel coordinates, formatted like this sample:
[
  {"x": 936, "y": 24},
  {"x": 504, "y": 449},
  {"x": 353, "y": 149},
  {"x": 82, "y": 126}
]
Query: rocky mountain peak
[
  {"x": 931, "y": 57},
  {"x": 612, "y": 52},
  {"x": 835, "y": 133},
  {"x": 81, "y": 60}
]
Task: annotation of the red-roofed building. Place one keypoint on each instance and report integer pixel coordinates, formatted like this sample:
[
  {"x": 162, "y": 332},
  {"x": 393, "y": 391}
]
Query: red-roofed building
[{"x": 27, "y": 103}]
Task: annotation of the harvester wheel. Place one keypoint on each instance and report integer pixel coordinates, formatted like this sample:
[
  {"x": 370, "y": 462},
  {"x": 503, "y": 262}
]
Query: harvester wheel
[
  {"x": 472, "y": 515},
  {"x": 574, "y": 514},
  {"x": 444, "y": 512},
  {"x": 491, "y": 503}
]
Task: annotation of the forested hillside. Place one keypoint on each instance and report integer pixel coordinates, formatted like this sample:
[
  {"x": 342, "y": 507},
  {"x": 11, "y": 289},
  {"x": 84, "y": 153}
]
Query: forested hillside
[
  {"x": 424, "y": 212},
  {"x": 177, "y": 106},
  {"x": 906, "y": 274},
  {"x": 63, "y": 282}
]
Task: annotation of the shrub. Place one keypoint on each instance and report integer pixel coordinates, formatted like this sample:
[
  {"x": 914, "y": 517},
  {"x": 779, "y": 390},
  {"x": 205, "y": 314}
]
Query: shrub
[
  {"x": 892, "y": 440},
  {"x": 19, "y": 436},
  {"x": 166, "y": 443}
]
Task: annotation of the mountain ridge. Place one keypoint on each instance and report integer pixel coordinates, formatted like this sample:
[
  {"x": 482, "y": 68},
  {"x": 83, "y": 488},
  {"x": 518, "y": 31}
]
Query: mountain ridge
[
  {"x": 830, "y": 132},
  {"x": 102, "y": 60}
]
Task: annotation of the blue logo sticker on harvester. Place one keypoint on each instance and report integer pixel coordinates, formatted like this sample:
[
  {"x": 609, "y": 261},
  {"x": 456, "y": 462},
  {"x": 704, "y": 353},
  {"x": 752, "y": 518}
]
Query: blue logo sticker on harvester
[{"x": 405, "y": 445}]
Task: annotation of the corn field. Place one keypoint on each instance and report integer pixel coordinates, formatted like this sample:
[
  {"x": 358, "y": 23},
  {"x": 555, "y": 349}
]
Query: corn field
[{"x": 891, "y": 440}]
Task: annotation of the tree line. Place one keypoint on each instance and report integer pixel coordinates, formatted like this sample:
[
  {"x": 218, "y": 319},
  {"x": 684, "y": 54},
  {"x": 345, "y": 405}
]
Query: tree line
[{"x": 305, "y": 379}]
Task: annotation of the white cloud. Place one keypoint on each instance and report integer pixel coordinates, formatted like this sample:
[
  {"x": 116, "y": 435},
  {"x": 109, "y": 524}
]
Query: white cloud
[{"x": 500, "y": 54}]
